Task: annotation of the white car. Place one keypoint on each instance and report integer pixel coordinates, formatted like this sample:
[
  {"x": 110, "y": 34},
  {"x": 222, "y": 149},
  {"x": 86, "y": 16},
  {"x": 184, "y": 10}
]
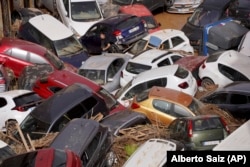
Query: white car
[
  {"x": 167, "y": 39},
  {"x": 224, "y": 67},
  {"x": 16, "y": 105},
  {"x": 172, "y": 76},
  {"x": 153, "y": 153},
  {"x": 79, "y": 15},
  {"x": 147, "y": 60},
  {"x": 184, "y": 6}
]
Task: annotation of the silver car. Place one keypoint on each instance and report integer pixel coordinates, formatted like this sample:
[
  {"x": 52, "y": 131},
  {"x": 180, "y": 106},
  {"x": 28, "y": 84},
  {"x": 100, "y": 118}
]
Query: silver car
[
  {"x": 184, "y": 6},
  {"x": 105, "y": 69}
]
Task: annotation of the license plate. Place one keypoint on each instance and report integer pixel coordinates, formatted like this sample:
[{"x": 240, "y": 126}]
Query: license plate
[
  {"x": 183, "y": 10},
  {"x": 208, "y": 143},
  {"x": 133, "y": 29}
]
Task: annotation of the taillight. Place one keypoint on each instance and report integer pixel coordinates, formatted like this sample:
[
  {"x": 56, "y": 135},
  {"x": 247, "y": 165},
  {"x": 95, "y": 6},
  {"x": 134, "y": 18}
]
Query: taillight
[
  {"x": 19, "y": 108},
  {"x": 117, "y": 33},
  {"x": 203, "y": 66},
  {"x": 183, "y": 85},
  {"x": 134, "y": 106},
  {"x": 190, "y": 128},
  {"x": 225, "y": 125},
  {"x": 2, "y": 81}
]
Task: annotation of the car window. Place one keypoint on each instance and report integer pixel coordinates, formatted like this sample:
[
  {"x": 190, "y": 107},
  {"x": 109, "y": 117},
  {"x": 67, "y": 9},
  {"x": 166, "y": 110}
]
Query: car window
[
  {"x": 61, "y": 158},
  {"x": 164, "y": 63},
  {"x": 176, "y": 41},
  {"x": 129, "y": 22},
  {"x": 150, "y": 21},
  {"x": 26, "y": 99},
  {"x": 138, "y": 47},
  {"x": 175, "y": 58},
  {"x": 137, "y": 68},
  {"x": 238, "y": 99},
  {"x": 90, "y": 150},
  {"x": 213, "y": 57},
  {"x": 162, "y": 106},
  {"x": 220, "y": 98},
  {"x": 97, "y": 76},
  {"x": 207, "y": 124},
  {"x": 114, "y": 67},
  {"x": 165, "y": 45},
  {"x": 3, "y": 102},
  {"x": 181, "y": 126},
  {"x": 66, "y": 5},
  {"x": 180, "y": 111},
  {"x": 144, "y": 86},
  {"x": 108, "y": 98},
  {"x": 231, "y": 73},
  {"x": 181, "y": 73}
]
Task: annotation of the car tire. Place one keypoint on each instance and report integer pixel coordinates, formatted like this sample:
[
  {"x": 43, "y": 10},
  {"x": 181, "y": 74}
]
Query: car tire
[
  {"x": 206, "y": 82},
  {"x": 114, "y": 49}
]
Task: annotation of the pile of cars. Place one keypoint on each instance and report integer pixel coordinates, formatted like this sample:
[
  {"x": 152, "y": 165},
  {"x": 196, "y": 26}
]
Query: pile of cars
[{"x": 66, "y": 84}]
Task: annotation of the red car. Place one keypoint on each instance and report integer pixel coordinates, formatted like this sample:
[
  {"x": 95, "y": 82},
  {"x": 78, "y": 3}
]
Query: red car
[
  {"x": 57, "y": 80},
  {"x": 48, "y": 157},
  {"x": 143, "y": 12},
  {"x": 16, "y": 54}
]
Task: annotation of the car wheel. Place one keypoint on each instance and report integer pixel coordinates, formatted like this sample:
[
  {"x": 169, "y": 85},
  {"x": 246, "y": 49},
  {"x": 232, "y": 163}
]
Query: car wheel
[
  {"x": 207, "y": 82},
  {"x": 114, "y": 49},
  {"x": 169, "y": 3}
]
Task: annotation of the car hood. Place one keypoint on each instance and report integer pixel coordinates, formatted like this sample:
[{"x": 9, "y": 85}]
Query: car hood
[{"x": 82, "y": 27}]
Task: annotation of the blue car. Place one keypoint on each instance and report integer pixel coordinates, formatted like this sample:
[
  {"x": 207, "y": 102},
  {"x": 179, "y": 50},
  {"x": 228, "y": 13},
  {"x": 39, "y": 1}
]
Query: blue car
[{"x": 121, "y": 31}]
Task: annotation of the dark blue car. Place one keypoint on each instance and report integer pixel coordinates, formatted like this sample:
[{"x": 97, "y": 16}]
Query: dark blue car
[{"x": 121, "y": 31}]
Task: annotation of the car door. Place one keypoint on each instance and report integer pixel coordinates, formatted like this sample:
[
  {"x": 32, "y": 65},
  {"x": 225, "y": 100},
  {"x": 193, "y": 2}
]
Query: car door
[
  {"x": 177, "y": 42},
  {"x": 239, "y": 105}
]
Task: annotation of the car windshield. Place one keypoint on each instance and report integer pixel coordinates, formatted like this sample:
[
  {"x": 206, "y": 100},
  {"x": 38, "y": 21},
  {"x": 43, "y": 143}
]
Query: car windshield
[
  {"x": 85, "y": 11},
  {"x": 123, "y": 89},
  {"x": 207, "y": 124},
  {"x": 136, "y": 68},
  {"x": 53, "y": 59},
  {"x": 97, "y": 76},
  {"x": 202, "y": 16},
  {"x": 195, "y": 106},
  {"x": 131, "y": 21},
  {"x": 34, "y": 127},
  {"x": 67, "y": 46},
  {"x": 150, "y": 21},
  {"x": 138, "y": 47}
]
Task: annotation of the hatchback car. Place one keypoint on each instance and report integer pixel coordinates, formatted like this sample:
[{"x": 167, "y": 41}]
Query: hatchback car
[
  {"x": 166, "y": 39},
  {"x": 163, "y": 105},
  {"x": 172, "y": 76},
  {"x": 147, "y": 60},
  {"x": 49, "y": 32},
  {"x": 16, "y": 54},
  {"x": 48, "y": 157},
  {"x": 200, "y": 132},
  {"x": 75, "y": 101},
  {"x": 105, "y": 69},
  {"x": 184, "y": 6},
  {"x": 142, "y": 11},
  {"x": 16, "y": 105},
  {"x": 224, "y": 67},
  {"x": 120, "y": 30},
  {"x": 233, "y": 98},
  {"x": 208, "y": 12},
  {"x": 89, "y": 140}
]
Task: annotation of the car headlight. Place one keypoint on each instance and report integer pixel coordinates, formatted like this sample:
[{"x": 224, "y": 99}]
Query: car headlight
[{"x": 110, "y": 159}]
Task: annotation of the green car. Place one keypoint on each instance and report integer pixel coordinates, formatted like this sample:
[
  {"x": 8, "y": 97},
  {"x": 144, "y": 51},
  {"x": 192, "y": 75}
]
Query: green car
[{"x": 199, "y": 132}]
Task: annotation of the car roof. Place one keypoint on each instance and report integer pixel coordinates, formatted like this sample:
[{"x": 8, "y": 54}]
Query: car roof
[
  {"x": 155, "y": 73},
  {"x": 114, "y": 20},
  {"x": 237, "y": 86},
  {"x": 119, "y": 119},
  {"x": 102, "y": 62},
  {"x": 229, "y": 58},
  {"x": 150, "y": 56},
  {"x": 136, "y": 9},
  {"x": 15, "y": 93},
  {"x": 7, "y": 43},
  {"x": 76, "y": 135},
  {"x": 50, "y": 27},
  {"x": 170, "y": 94},
  {"x": 165, "y": 34},
  {"x": 61, "y": 102}
]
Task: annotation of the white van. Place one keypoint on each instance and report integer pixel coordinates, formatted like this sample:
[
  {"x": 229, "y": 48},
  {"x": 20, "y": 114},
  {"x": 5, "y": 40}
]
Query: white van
[{"x": 79, "y": 15}]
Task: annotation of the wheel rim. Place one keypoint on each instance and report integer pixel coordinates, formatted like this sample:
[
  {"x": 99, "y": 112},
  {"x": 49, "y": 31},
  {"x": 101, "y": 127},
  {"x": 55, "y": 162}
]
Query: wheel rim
[{"x": 207, "y": 82}]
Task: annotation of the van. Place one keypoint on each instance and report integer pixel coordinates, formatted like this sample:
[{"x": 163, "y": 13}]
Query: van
[{"x": 49, "y": 32}]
